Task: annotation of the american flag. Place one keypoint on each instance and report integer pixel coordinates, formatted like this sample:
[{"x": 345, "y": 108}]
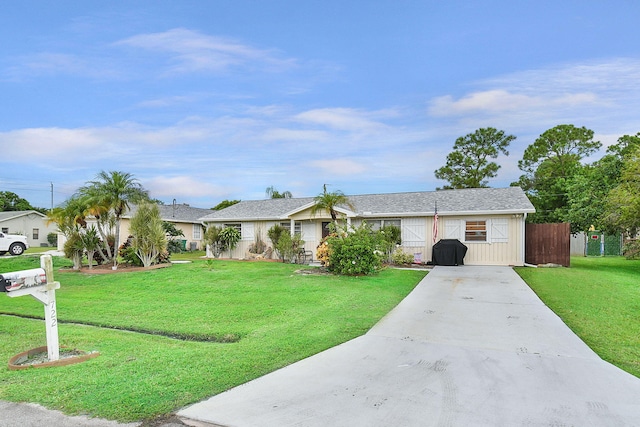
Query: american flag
[{"x": 435, "y": 224}]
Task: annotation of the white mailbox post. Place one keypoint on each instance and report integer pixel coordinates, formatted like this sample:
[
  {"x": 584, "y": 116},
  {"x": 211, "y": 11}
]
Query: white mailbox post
[{"x": 38, "y": 283}]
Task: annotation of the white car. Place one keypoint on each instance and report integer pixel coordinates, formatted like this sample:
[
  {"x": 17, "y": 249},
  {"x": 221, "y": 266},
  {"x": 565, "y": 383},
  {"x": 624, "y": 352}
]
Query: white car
[{"x": 13, "y": 243}]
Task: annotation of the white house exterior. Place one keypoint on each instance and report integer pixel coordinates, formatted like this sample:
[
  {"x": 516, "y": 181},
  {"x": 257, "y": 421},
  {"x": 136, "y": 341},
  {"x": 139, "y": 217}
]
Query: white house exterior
[
  {"x": 489, "y": 221},
  {"x": 184, "y": 217},
  {"x": 31, "y": 224}
]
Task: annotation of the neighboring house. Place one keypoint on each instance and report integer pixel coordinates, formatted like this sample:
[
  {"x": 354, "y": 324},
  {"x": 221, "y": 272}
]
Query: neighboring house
[
  {"x": 489, "y": 221},
  {"x": 184, "y": 217},
  {"x": 32, "y": 224}
]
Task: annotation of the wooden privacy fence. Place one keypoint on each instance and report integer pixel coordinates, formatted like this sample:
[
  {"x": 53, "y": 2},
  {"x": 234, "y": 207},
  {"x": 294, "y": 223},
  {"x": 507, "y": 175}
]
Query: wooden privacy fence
[{"x": 548, "y": 244}]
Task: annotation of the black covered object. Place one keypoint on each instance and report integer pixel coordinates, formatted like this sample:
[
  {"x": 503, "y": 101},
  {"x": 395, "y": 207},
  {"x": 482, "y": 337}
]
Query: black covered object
[{"x": 448, "y": 252}]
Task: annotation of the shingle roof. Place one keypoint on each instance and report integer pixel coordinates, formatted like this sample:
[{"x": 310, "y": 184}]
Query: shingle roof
[
  {"x": 176, "y": 213},
  {"x": 6, "y": 215},
  {"x": 449, "y": 202}
]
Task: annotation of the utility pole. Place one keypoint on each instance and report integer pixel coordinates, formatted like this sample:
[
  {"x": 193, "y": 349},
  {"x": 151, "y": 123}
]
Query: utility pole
[{"x": 51, "y": 195}]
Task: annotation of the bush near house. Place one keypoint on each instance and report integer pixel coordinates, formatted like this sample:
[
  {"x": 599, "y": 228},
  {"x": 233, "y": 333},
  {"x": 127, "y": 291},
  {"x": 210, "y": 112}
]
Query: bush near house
[{"x": 356, "y": 252}]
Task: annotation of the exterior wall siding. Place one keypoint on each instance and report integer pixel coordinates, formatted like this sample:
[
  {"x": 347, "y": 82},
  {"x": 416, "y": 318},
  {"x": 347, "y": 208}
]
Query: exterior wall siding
[
  {"x": 186, "y": 228},
  {"x": 25, "y": 224},
  {"x": 510, "y": 252},
  {"x": 417, "y": 234}
]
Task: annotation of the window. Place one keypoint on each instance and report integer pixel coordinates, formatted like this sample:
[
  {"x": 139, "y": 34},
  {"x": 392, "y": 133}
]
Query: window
[
  {"x": 297, "y": 228},
  {"x": 197, "y": 232},
  {"x": 5, "y": 230},
  {"x": 237, "y": 226},
  {"x": 36, "y": 234},
  {"x": 377, "y": 224},
  {"x": 475, "y": 231}
]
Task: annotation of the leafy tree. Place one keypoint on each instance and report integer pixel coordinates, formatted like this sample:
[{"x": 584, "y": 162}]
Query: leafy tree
[
  {"x": 468, "y": 165},
  {"x": 626, "y": 145},
  {"x": 623, "y": 202},
  {"x": 224, "y": 204},
  {"x": 561, "y": 145},
  {"x": 149, "y": 238},
  {"x": 587, "y": 193},
  {"x": 550, "y": 165},
  {"x": 12, "y": 202},
  {"x": 112, "y": 193},
  {"x": 329, "y": 201},
  {"x": 272, "y": 193}
]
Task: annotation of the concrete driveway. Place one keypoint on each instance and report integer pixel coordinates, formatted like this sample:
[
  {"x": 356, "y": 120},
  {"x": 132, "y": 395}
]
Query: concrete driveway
[{"x": 470, "y": 346}]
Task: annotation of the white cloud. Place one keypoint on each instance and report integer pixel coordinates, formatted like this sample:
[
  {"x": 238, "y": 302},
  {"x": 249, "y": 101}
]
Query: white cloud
[
  {"x": 48, "y": 63},
  {"x": 192, "y": 51},
  {"x": 26, "y": 145},
  {"x": 186, "y": 186},
  {"x": 497, "y": 101},
  {"x": 296, "y": 135},
  {"x": 593, "y": 94},
  {"x": 346, "y": 119}
]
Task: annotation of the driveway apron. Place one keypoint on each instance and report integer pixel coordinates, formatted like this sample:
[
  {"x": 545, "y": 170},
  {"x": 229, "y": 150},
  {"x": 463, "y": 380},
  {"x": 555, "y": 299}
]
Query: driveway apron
[{"x": 470, "y": 346}]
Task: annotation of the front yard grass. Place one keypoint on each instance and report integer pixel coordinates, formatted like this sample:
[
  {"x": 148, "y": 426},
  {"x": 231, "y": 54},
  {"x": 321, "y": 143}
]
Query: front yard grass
[
  {"x": 599, "y": 299},
  {"x": 235, "y": 322}
]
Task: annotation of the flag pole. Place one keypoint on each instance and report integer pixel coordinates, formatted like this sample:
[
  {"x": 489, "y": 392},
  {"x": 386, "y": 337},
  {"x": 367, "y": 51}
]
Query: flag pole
[{"x": 435, "y": 222}]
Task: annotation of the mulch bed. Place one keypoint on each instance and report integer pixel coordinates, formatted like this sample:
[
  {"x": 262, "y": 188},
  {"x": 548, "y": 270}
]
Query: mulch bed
[{"x": 122, "y": 268}]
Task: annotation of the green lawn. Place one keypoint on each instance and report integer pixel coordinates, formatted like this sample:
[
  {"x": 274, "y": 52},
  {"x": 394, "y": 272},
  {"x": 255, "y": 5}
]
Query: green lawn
[
  {"x": 237, "y": 321},
  {"x": 599, "y": 299}
]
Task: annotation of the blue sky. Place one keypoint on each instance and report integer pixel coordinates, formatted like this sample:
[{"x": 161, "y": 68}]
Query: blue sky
[{"x": 205, "y": 100}]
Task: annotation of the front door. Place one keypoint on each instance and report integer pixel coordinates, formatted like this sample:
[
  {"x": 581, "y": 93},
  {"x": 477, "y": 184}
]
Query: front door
[{"x": 325, "y": 229}]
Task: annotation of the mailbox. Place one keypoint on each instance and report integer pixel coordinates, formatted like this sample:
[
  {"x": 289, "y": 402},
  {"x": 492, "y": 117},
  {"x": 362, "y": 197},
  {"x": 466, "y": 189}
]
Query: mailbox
[{"x": 22, "y": 279}]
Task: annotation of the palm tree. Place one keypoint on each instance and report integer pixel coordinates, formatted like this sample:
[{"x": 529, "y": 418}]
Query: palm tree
[
  {"x": 329, "y": 201},
  {"x": 272, "y": 193},
  {"x": 113, "y": 192},
  {"x": 69, "y": 216}
]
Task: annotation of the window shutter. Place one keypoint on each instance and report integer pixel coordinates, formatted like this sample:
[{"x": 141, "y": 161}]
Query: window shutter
[
  {"x": 413, "y": 232},
  {"x": 309, "y": 231},
  {"x": 453, "y": 229},
  {"x": 248, "y": 232},
  {"x": 499, "y": 230}
]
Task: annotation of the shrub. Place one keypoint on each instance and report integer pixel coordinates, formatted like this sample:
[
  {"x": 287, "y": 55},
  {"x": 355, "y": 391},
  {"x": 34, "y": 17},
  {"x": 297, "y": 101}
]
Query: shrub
[
  {"x": 74, "y": 249},
  {"x": 128, "y": 253},
  {"x": 149, "y": 237},
  {"x": 52, "y": 238},
  {"x": 229, "y": 238},
  {"x": 400, "y": 257},
  {"x": 258, "y": 246},
  {"x": 323, "y": 251},
  {"x": 174, "y": 246},
  {"x": 355, "y": 253},
  {"x": 289, "y": 246},
  {"x": 98, "y": 258},
  {"x": 274, "y": 234},
  {"x": 389, "y": 240},
  {"x": 631, "y": 249},
  {"x": 212, "y": 239}
]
